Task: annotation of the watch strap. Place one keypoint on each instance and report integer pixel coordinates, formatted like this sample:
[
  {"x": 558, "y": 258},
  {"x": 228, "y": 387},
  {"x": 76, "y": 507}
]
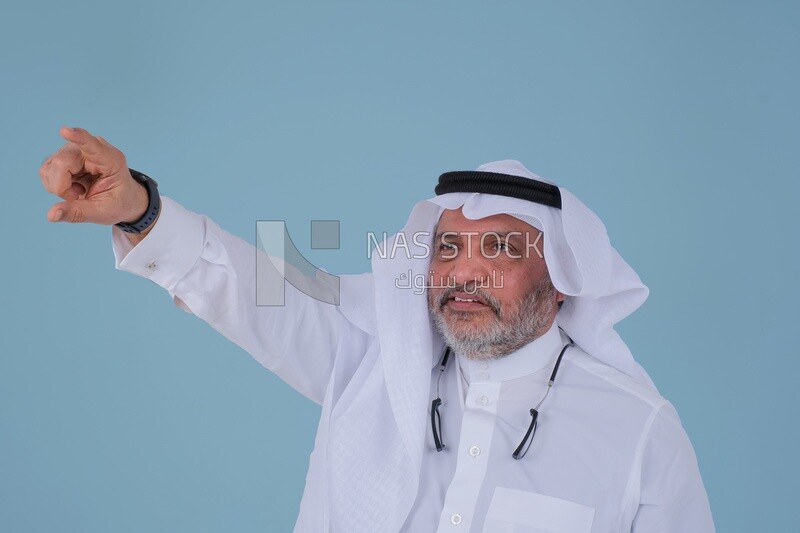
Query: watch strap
[{"x": 153, "y": 205}]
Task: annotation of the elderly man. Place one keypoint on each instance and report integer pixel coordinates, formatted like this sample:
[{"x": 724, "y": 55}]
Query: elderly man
[{"x": 497, "y": 399}]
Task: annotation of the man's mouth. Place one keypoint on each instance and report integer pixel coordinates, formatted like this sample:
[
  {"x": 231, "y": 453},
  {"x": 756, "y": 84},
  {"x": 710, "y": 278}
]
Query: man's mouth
[{"x": 466, "y": 302}]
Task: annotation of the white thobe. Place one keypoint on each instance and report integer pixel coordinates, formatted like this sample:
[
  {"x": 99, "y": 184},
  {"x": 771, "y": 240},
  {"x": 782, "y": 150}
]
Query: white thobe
[
  {"x": 609, "y": 454},
  {"x": 601, "y": 445}
]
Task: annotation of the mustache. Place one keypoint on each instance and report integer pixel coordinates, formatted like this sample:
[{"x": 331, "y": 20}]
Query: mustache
[{"x": 471, "y": 289}]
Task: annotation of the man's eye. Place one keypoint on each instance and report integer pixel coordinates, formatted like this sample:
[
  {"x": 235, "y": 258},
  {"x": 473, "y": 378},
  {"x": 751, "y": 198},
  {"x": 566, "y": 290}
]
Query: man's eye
[
  {"x": 448, "y": 250},
  {"x": 499, "y": 246}
]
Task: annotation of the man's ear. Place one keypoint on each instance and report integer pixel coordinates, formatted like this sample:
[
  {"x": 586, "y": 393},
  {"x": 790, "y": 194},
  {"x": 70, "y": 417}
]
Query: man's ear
[{"x": 560, "y": 297}]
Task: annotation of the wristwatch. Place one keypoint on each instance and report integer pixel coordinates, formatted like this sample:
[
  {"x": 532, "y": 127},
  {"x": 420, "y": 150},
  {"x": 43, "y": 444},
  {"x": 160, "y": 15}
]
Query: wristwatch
[{"x": 153, "y": 205}]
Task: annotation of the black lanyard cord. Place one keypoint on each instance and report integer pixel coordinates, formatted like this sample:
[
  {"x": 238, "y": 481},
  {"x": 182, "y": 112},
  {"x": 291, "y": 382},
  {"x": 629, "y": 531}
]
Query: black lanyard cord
[{"x": 519, "y": 453}]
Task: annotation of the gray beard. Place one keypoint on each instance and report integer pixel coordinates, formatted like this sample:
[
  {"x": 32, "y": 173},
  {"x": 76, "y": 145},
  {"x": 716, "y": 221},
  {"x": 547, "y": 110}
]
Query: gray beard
[{"x": 508, "y": 332}]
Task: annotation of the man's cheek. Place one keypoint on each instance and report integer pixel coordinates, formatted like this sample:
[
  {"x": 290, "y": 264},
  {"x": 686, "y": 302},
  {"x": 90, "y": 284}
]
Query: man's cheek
[{"x": 434, "y": 298}]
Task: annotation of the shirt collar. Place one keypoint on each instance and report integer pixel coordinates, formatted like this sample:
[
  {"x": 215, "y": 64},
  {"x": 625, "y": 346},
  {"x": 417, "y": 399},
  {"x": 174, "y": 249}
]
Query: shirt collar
[{"x": 529, "y": 359}]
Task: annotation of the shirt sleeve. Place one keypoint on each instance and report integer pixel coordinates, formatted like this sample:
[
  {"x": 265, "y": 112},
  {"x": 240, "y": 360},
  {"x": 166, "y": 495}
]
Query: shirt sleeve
[
  {"x": 672, "y": 496},
  {"x": 212, "y": 274}
]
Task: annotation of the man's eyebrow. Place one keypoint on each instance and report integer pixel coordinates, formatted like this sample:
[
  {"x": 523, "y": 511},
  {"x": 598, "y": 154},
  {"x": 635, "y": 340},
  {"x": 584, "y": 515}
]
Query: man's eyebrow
[
  {"x": 511, "y": 233},
  {"x": 502, "y": 234}
]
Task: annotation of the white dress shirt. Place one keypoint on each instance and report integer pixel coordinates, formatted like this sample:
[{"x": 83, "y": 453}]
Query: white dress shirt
[{"x": 609, "y": 454}]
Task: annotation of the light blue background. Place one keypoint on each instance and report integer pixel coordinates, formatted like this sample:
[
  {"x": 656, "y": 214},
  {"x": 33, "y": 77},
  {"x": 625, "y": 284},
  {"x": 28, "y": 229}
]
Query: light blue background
[{"x": 677, "y": 122}]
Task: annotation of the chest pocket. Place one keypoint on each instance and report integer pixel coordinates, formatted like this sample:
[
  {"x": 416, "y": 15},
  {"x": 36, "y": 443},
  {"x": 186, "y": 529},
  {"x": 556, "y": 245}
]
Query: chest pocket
[{"x": 518, "y": 511}]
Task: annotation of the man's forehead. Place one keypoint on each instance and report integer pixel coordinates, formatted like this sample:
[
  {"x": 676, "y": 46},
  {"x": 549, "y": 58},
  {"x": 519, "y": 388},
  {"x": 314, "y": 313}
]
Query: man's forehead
[{"x": 453, "y": 220}]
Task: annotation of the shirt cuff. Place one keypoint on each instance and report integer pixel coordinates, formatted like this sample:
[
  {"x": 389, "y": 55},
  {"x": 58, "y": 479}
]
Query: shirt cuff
[{"x": 168, "y": 252}]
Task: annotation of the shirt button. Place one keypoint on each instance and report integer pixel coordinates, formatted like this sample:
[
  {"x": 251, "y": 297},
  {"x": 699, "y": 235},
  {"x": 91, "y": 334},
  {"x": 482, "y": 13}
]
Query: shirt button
[
  {"x": 474, "y": 451},
  {"x": 151, "y": 265},
  {"x": 482, "y": 400},
  {"x": 483, "y": 376},
  {"x": 455, "y": 519}
]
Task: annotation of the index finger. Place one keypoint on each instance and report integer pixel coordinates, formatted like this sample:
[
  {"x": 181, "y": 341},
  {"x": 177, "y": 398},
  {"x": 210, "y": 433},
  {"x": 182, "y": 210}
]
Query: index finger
[{"x": 88, "y": 143}]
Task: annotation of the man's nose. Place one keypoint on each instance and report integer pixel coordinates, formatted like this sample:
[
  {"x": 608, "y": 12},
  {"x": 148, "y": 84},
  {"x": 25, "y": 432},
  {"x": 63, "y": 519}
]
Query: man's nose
[{"x": 468, "y": 266}]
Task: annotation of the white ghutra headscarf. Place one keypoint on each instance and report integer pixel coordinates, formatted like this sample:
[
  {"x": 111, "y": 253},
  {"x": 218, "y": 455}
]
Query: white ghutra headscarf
[{"x": 603, "y": 288}]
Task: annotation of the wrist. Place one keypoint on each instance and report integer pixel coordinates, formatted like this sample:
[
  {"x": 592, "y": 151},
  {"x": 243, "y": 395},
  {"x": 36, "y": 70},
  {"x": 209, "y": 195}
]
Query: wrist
[
  {"x": 147, "y": 217},
  {"x": 141, "y": 200}
]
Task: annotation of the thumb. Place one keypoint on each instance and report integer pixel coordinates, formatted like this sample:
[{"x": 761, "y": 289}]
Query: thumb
[{"x": 73, "y": 211}]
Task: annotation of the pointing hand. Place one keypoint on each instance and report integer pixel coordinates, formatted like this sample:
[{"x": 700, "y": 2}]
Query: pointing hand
[{"x": 93, "y": 179}]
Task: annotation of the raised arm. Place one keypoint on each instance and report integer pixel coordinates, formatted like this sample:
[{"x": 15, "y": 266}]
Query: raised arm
[{"x": 206, "y": 270}]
